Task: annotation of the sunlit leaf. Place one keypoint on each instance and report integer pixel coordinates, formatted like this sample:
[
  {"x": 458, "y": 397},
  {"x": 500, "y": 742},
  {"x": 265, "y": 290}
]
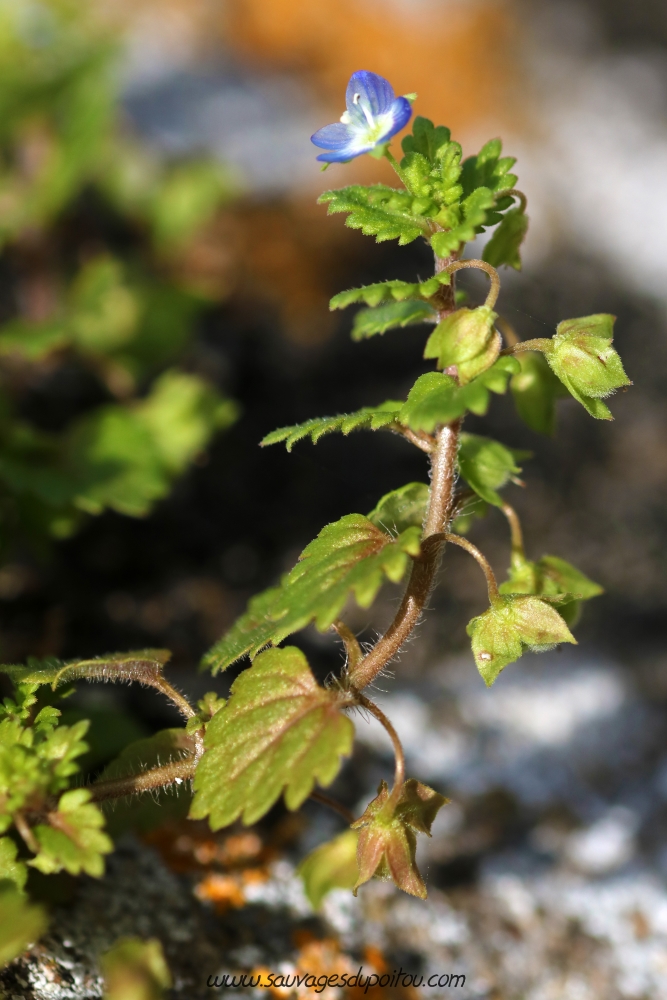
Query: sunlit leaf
[
  {"x": 330, "y": 866},
  {"x": 279, "y": 731}
]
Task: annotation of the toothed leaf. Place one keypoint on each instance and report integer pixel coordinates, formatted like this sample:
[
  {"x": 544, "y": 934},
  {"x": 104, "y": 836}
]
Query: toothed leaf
[
  {"x": 73, "y": 838},
  {"x": 279, "y": 731},
  {"x": 384, "y": 212},
  {"x": 487, "y": 466},
  {"x": 505, "y": 244},
  {"x": 511, "y": 625},
  {"x": 369, "y": 322},
  {"x": 402, "y": 508},
  {"x": 349, "y": 556}
]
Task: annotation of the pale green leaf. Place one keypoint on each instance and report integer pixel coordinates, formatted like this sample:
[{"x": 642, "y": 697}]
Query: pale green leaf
[
  {"x": 505, "y": 244},
  {"x": 383, "y": 212},
  {"x": 487, "y": 466},
  {"x": 369, "y": 418},
  {"x": 402, "y": 508},
  {"x": 73, "y": 840},
  {"x": 330, "y": 866}
]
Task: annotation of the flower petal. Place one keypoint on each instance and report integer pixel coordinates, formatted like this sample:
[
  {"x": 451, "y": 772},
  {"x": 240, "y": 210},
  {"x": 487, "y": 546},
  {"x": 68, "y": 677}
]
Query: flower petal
[
  {"x": 334, "y": 136},
  {"x": 377, "y": 93},
  {"x": 398, "y": 117}
]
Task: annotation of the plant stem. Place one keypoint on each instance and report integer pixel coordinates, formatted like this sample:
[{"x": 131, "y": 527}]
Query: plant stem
[
  {"x": 397, "y": 167},
  {"x": 399, "y": 770},
  {"x": 480, "y": 265},
  {"x": 424, "y": 567},
  {"x": 175, "y": 772},
  {"x": 482, "y": 562},
  {"x": 182, "y": 704},
  {"x": 513, "y": 193},
  {"x": 27, "y": 835},
  {"x": 515, "y": 529},
  {"x": 543, "y": 344},
  {"x": 338, "y": 807},
  {"x": 352, "y": 647}
]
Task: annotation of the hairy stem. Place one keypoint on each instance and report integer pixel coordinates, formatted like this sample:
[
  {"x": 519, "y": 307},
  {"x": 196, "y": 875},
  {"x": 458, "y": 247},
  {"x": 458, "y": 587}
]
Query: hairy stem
[
  {"x": 182, "y": 704},
  {"x": 424, "y": 567},
  {"x": 27, "y": 835},
  {"x": 175, "y": 772},
  {"x": 516, "y": 532},
  {"x": 543, "y": 344},
  {"x": 352, "y": 647},
  {"x": 399, "y": 770},
  {"x": 419, "y": 439},
  {"x": 482, "y": 562},
  {"x": 513, "y": 193},
  {"x": 334, "y": 804},
  {"x": 481, "y": 265}
]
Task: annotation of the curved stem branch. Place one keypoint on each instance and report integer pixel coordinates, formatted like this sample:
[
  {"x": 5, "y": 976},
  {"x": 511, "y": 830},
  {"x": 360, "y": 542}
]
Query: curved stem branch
[
  {"x": 334, "y": 804},
  {"x": 515, "y": 529},
  {"x": 399, "y": 770},
  {"x": 482, "y": 562},
  {"x": 481, "y": 265},
  {"x": 352, "y": 647},
  {"x": 182, "y": 704},
  {"x": 513, "y": 193}
]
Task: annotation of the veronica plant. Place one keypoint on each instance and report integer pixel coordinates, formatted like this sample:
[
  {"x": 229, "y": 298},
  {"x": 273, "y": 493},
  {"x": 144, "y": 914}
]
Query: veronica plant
[{"x": 280, "y": 732}]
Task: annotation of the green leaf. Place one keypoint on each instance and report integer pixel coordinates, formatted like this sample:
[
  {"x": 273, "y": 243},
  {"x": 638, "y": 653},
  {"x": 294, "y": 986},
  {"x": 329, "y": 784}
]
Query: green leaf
[
  {"x": 488, "y": 169},
  {"x": 383, "y": 212},
  {"x": 386, "y": 291},
  {"x": 186, "y": 199},
  {"x": 143, "y": 666},
  {"x": 465, "y": 339},
  {"x": 535, "y": 389},
  {"x": 135, "y": 970},
  {"x": 402, "y": 508},
  {"x": 330, "y": 866},
  {"x": 387, "y": 836},
  {"x": 11, "y": 870},
  {"x": 278, "y": 731},
  {"x": 504, "y": 246},
  {"x": 369, "y": 322},
  {"x": 371, "y": 418},
  {"x": 33, "y": 341},
  {"x": 73, "y": 839},
  {"x": 434, "y": 399},
  {"x": 104, "y": 311},
  {"x": 115, "y": 463},
  {"x": 426, "y": 139},
  {"x": 551, "y": 577},
  {"x": 349, "y": 556},
  {"x": 182, "y": 413},
  {"x": 20, "y": 924},
  {"x": 475, "y": 216},
  {"x": 487, "y": 466},
  {"x": 582, "y": 357},
  {"x": 512, "y": 624}
]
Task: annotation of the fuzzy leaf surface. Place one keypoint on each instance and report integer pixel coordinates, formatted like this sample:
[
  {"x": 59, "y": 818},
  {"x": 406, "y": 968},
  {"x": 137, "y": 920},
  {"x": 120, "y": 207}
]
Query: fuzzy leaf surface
[
  {"x": 402, "y": 508},
  {"x": 279, "y": 731},
  {"x": 505, "y": 245},
  {"x": 513, "y": 624},
  {"x": 475, "y": 212},
  {"x": 140, "y": 666},
  {"x": 551, "y": 576},
  {"x": 488, "y": 169},
  {"x": 384, "y": 212},
  {"x": 349, "y": 556},
  {"x": 582, "y": 357},
  {"x": 330, "y": 866},
  {"x": 370, "y": 322},
  {"x": 387, "y": 838},
  {"x": 487, "y": 466},
  {"x": 390, "y": 291},
  {"x": 371, "y": 418}
]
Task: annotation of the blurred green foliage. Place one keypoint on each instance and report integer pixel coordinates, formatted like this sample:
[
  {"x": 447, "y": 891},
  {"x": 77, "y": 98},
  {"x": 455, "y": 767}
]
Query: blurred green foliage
[{"x": 125, "y": 317}]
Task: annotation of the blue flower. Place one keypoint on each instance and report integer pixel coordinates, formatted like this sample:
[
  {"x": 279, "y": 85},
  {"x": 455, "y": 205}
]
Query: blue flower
[{"x": 373, "y": 115}]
